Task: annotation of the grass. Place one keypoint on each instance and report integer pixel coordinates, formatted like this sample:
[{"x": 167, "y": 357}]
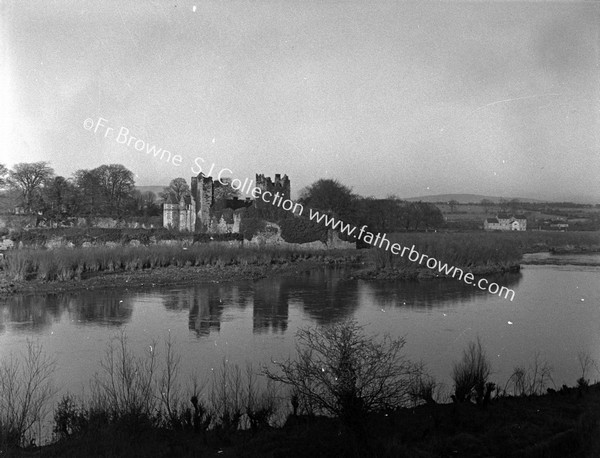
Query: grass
[
  {"x": 75, "y": 263},
  {"x": 481, "y": 249},
  {"x": 459, "y": 249}
]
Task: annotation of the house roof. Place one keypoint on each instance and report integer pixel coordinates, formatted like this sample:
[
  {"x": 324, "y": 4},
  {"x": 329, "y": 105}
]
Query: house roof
[
  {"x": 509, "y": 216},
  {"x": 492, "y": 220}
]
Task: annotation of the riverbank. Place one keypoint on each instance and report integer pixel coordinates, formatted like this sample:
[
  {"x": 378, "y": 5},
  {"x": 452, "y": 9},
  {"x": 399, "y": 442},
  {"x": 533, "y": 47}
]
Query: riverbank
[
  {"x": 371, "y": 272},
  {"x": 32, "y": 270},
  {"x": 174, "y": 275},
  {"x": 564, "y": 423}
]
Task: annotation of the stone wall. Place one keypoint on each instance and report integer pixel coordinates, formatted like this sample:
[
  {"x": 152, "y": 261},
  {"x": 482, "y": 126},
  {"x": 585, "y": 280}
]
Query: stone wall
[{"x": 270, "y": 238}]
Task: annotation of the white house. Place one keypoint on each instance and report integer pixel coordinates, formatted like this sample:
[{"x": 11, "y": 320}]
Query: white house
[{"x": 506, "y": 222}]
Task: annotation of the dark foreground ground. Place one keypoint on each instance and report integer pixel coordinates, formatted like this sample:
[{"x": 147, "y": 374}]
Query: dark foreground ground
[{"x": 562, "y": 424}]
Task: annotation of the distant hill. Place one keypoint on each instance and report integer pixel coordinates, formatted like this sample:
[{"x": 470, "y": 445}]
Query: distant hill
[
  {"x": 466, "y": 198},
  {"x": 154, "y": 189}
]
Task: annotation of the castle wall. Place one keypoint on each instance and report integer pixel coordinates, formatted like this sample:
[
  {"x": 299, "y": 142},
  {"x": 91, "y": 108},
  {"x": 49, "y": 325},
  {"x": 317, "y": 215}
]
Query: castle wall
[
  {"x": 198, "y": 215},
  {"x": 171, "y": 215}
]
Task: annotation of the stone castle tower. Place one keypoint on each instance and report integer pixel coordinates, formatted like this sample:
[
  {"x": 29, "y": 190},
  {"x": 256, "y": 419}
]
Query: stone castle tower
[
  {"x": 196, "y": 212},
  {"x": 202, "y": 193},
  {"x": 280, "y": 185}
]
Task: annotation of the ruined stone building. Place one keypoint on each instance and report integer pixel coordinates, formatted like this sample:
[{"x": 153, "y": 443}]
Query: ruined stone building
[{"x": 204, "y": 211}]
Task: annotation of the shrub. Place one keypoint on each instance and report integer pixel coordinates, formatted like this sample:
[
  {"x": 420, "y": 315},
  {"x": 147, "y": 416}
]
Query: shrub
[
  {"x": 461, "y": 250},
  {"x": 342, "y": 372},
  {"x": 226, "y": 237},
  {"x": 125, "y": 385},
  {"x": 249, "y": 227},
  {"x": 530, "y": 381},
  {"x": 25, "y": 389},
  {"x": 69, "y": 418},
  {"x": 302, "y": 230},
  {"x": 471, "y": 374},
  {"x": 424, "y": 388}
]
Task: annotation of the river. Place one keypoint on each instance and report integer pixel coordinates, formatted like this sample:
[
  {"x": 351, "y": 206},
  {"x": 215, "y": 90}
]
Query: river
[{"x": 555, "y": 311}]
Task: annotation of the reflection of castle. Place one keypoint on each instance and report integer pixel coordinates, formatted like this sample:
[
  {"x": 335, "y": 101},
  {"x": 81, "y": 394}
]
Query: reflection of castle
[
  {"x": 205, "y": 311},
  {"x": 270, "y": 311},
  {"x": 206, "y": 210}
]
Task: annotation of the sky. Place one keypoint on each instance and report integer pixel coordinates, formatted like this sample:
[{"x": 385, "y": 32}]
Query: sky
[{"x": 404, "y": 98}]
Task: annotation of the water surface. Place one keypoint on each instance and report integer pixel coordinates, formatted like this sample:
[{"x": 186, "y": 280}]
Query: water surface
[{"x": 556, "y": 312}]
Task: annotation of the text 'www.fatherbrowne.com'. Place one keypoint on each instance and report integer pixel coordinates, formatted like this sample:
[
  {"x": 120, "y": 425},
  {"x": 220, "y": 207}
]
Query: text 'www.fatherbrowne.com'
[{"x": 381, "y": 241}]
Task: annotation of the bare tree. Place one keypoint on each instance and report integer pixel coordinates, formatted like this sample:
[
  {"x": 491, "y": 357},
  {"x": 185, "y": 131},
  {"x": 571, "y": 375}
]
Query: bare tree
[
  {"x": 3, "y": 174},
  {"x": 471, "y": 375},
  {"x": 117, "y": 184},
  {"x": 28, "y": 178},
  {"x": 341, "y": 371},
  {"x": 25, "y": 390},
  {"x": 486, "y": 204},
  {"x": 177, "y": 189}
]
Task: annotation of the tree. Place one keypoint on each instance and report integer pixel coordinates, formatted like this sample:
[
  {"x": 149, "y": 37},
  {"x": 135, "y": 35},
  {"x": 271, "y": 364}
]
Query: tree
[
  {"x": 177, "y": 189},
  {"x": 453, "y": 203},
  {"x": 29, "y": 178},
  {"x": 471, "y": 375},
  {"x": 330, "y": 196},
  {"x": 514, "y": 205},
  {"x": 432, "y": 216},
  {"x": 222, "y": 192},
  {"x": 145, "y": 203},
  {"x": 3, "y": 174},
  {"x": 341, "y": 371},
  {"x": 486, "y": 204},
  {"x": 58, "y": 198},
  {"x": 90, "y": 199},
  {"x": 116, "y": 184}
]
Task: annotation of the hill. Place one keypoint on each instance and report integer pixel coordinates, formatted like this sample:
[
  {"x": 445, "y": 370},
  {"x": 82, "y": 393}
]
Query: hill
[
  {"x": 154, "y": 189},
  {"x": 466, "y": 198}
]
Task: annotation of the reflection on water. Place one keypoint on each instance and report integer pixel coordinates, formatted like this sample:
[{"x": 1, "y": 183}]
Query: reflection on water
[
  {"x": 555, "y": 311},
  {"x": 323, "y": 295},
  {"x": 431, "y": 293},
  {"x": 35, "y": 313}
]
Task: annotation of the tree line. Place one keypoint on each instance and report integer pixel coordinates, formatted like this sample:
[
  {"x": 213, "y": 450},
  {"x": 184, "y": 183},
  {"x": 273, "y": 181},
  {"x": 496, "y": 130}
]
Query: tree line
[
  {"x": 109, "y": 191},
  {"x": 105, "y": 191},
  {"x": 380, "y": 215}
]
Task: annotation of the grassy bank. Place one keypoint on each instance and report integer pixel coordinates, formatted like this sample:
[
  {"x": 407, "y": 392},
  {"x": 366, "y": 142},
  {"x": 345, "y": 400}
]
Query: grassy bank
[
  {"x": 464, "y": 250},
  {"x": 481, "y": 252},
  {"x": 77, "y": 263}
]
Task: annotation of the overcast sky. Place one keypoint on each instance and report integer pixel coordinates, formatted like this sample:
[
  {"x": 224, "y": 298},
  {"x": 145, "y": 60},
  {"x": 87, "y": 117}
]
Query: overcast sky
[{"x": 409, "y": 98}]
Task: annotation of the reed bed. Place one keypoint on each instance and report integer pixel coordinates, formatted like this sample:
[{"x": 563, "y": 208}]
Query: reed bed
[
  {"x": 72, "y": 263},
  {"x": 464, "y": 250}
]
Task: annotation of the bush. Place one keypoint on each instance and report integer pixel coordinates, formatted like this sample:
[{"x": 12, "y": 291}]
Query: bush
[
  {"x": 226, "y": 237},
  {"x": 25, "y": 389},
  {"x": 249, "y": 227},
  {"x": 302, "y": 230},
  {"x": 471, "y": 375},
  {"x": 464, "y": 251},
  {"x": 342, "y": 372},
  {"x": 69, "y": 418},
  {"x": 530, "y": 381}
]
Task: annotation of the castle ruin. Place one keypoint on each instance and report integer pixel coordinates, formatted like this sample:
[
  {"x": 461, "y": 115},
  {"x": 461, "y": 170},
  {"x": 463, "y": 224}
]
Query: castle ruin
[{"x": 201, "y": 211}]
